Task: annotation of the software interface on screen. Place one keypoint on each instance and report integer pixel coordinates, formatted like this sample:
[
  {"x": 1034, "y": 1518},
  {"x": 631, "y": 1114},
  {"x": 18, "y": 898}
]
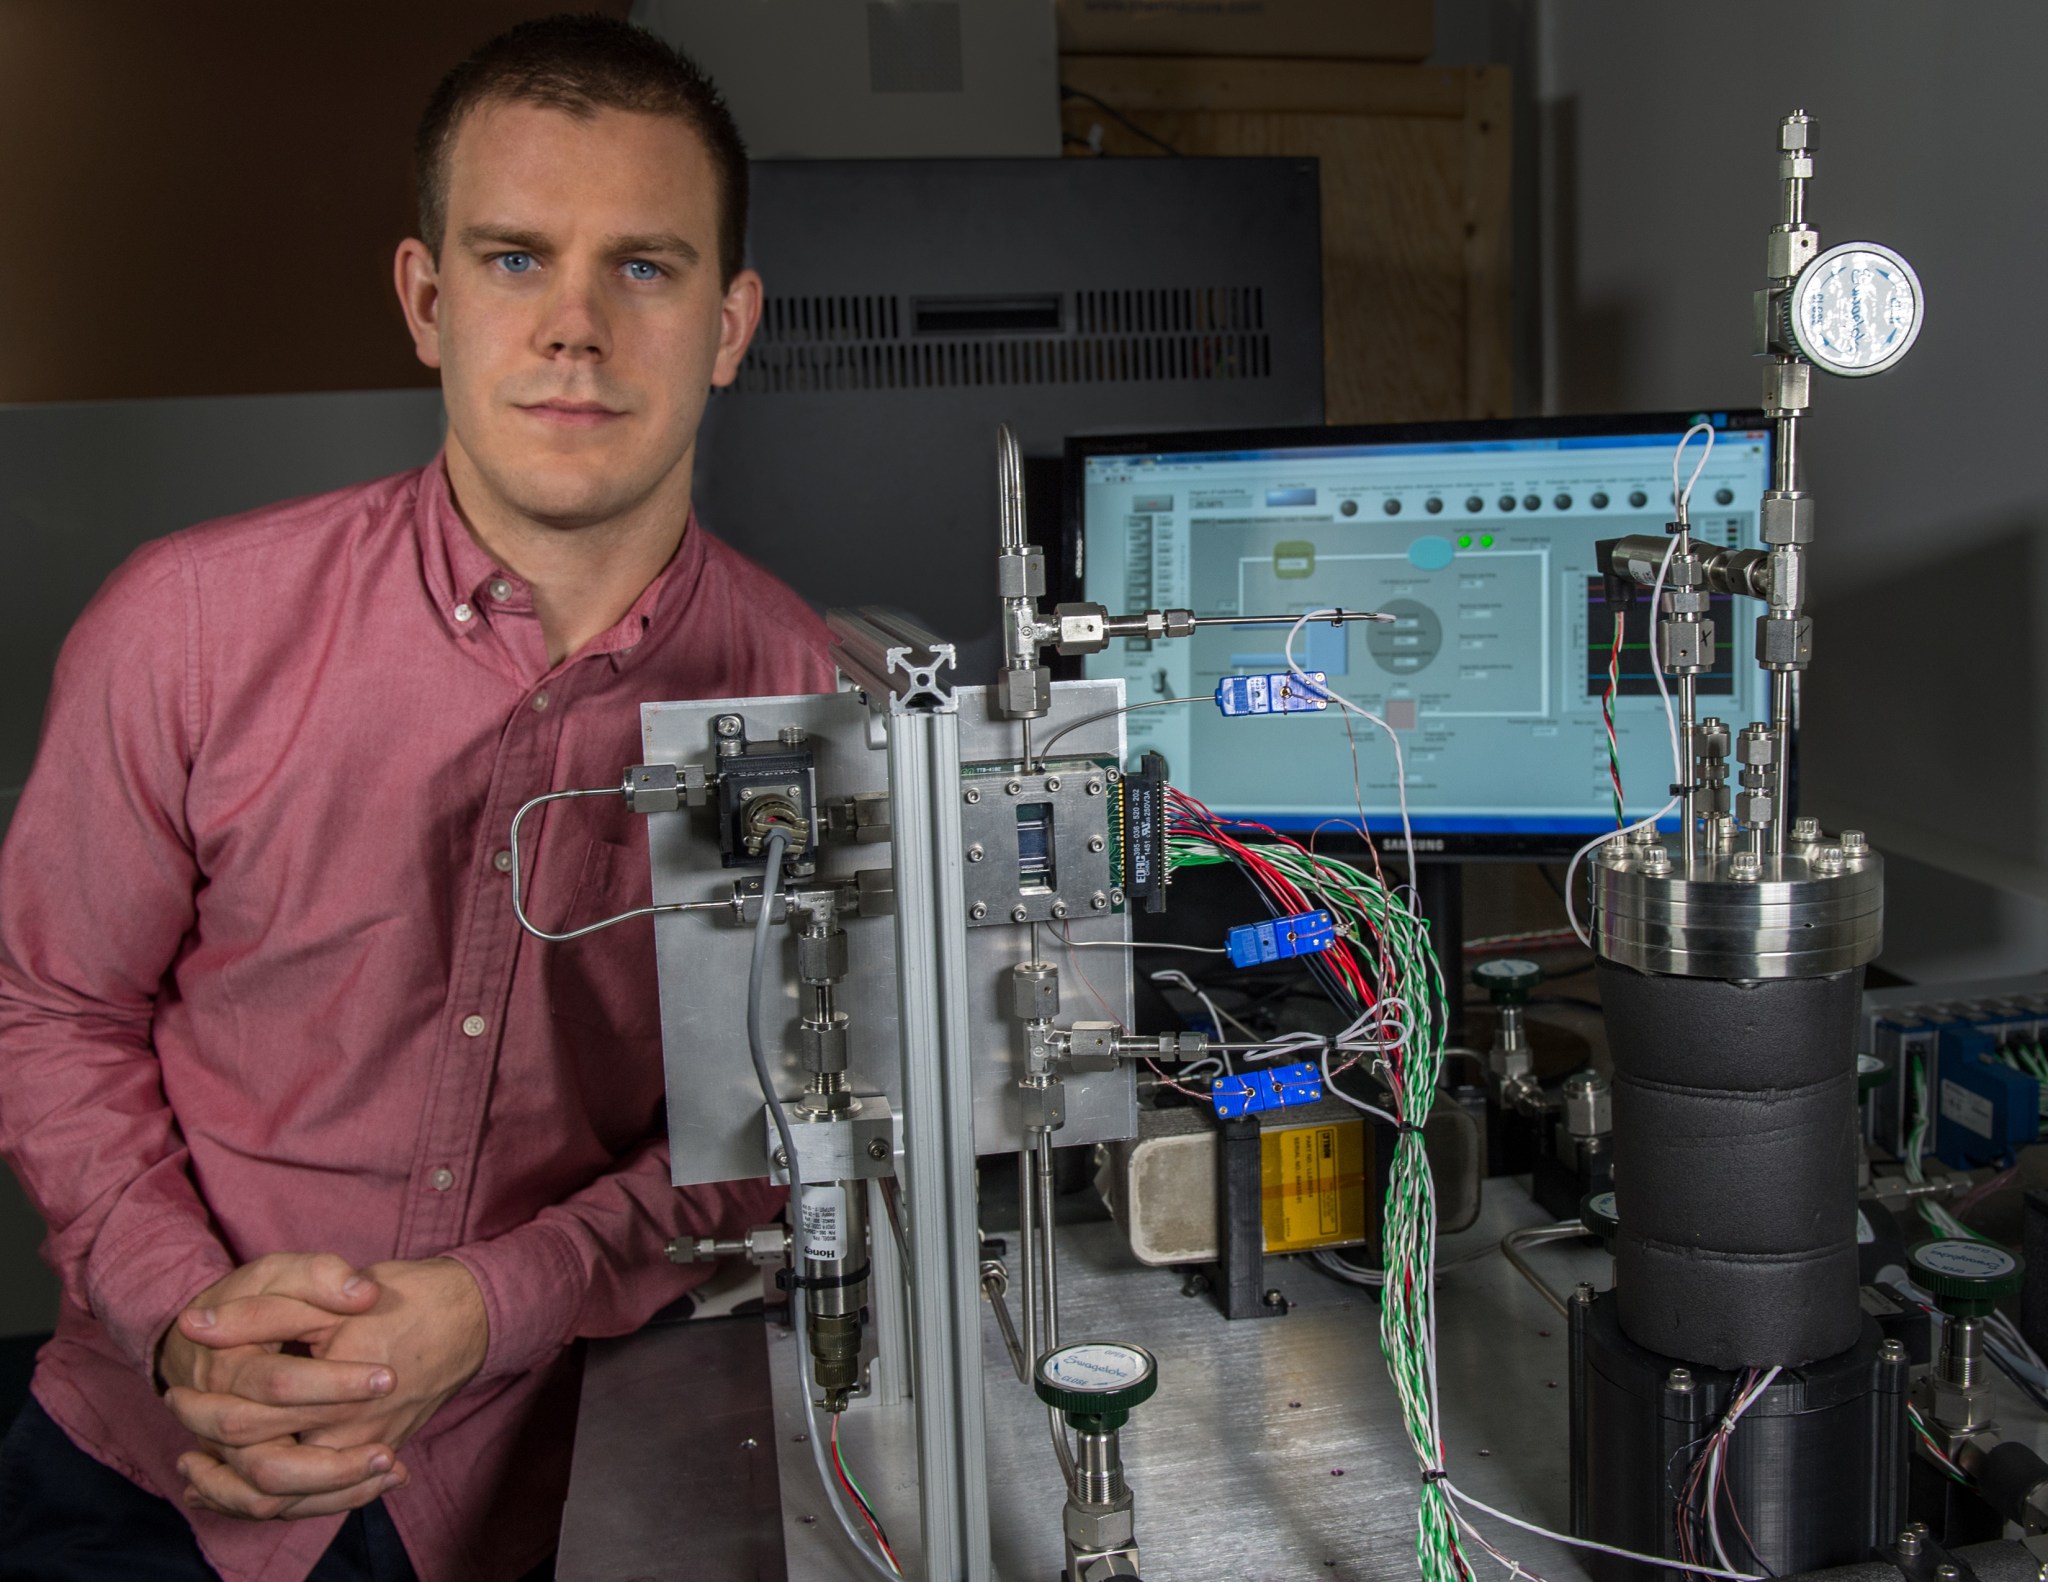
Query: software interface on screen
[{"x": 1493, "y": 668}]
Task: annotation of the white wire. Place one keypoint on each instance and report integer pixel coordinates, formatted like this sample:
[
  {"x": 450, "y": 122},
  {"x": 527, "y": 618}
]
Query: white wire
[
  {"x": 1662, "y": 1562},
  {"x": 1324, "y": 687},
  {"x": 1140, "y": 944},
  {"x": 1681, "y": 499},
  {"x": 1717, "y": 1458},
  {"x": 1570, "y": 911}
]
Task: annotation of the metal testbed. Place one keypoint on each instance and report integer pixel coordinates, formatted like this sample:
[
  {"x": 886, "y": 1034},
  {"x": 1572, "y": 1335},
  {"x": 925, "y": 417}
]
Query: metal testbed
[{"x": 1720, "y": 914}]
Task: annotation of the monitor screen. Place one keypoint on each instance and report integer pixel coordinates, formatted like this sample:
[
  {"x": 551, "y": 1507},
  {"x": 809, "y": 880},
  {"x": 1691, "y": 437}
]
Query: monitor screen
[{"x": 1478, "y": 538}]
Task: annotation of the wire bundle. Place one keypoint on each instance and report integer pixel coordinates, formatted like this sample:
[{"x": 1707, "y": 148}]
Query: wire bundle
[
  {"x": 1607, "y": 715},
  {"x": 1384, "y": 973},
  {"x": 1697, "y": 1517},
  {"x": 860, "y": 1499}
]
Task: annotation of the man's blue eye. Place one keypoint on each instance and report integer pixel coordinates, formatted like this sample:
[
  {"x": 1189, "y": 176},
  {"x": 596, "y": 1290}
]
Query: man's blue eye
[
  {"x": 515, "y": 263},
  {"x": 640, "y": 269}
]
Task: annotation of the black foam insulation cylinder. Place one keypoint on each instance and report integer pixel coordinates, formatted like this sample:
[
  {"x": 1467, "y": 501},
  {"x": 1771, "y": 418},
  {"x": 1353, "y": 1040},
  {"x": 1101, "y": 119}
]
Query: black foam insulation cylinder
[{"x": 1735, "y": 1165}]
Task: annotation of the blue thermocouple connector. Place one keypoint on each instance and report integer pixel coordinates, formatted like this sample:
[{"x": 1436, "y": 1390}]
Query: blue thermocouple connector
[
  {"x": 1275, "y": 692},
  {"x": 1273, "y": 1089},
  {"x": 1299, "y": 935}
]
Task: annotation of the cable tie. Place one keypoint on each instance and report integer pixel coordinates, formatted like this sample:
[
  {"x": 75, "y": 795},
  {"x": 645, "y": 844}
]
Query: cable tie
[{"x": 1434, "y": 1474}]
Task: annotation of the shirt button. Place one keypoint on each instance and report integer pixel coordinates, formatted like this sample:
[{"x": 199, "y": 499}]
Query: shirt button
[
  {"x": 502, "y": 862},
  {"x": 444, "y": 1178},
  {"x": 463, "y": 612},
  {"x": 540, "y": 700},
  {"x": 473, "y": 1025},
  {"x": 501, "y": 590}
]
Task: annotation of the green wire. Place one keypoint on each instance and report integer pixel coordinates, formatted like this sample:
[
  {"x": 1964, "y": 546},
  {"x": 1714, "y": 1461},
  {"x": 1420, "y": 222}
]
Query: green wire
[{"x": 1408, "y": 970}]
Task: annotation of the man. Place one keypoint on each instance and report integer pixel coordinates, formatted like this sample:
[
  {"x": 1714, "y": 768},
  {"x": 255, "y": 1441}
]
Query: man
[{"x": 335, "y": 1162}]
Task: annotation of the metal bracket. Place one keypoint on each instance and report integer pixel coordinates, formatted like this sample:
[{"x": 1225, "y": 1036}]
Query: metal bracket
[
  {"x": 899, "y": 666},
  {"x": 856, "y": 1147}
]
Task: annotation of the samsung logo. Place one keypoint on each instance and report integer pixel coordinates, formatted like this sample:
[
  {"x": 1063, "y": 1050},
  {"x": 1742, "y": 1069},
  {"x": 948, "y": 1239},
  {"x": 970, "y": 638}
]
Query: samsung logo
[{"x": 1419, "y": 845}]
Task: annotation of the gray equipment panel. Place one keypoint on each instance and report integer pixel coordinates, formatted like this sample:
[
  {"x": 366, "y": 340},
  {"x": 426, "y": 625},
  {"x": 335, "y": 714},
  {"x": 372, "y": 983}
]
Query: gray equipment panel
[{"x": 714, "y": 1106}]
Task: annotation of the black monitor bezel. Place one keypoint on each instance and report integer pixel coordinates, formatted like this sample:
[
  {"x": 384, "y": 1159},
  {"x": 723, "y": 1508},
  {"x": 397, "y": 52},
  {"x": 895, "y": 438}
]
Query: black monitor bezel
[{"x": 1435, "y": 846}]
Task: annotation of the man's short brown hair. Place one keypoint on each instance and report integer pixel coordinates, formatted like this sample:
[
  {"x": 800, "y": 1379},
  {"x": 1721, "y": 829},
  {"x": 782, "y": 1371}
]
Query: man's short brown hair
[{"x": 580, "y": 65}]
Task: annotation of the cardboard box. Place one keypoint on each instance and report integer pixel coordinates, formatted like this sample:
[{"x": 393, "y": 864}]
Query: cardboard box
[{"x": 1400, "y": 30}]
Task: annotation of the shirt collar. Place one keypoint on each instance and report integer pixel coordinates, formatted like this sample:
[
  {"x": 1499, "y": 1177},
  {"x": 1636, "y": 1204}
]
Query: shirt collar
[{"x": 469, "y": 586}]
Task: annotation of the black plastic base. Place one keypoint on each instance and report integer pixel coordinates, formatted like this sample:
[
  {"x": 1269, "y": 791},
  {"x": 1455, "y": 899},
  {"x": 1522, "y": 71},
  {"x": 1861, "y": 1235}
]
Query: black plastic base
[{"x": 1817, "y": 1467}]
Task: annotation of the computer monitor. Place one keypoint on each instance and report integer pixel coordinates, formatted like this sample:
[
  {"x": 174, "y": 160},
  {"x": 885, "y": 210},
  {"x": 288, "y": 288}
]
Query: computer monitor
[{"x": 1479, "y": 539}]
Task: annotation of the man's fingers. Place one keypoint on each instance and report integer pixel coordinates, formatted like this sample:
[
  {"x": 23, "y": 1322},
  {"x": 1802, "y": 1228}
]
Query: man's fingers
[
  {"x": 323, "y": 1279},
  {"x": 260, "y": 1320},
  {"x": 237, "y": 1420},
  {"x": 286, "y": 1479}
]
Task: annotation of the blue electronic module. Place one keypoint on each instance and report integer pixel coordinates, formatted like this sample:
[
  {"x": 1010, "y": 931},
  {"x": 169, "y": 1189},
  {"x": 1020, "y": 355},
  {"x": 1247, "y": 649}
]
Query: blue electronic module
[
  {"x": 1275, "y": 1088},
  {"x": 1296, "y": 935},
  {"x": 1273, "y": 692}
]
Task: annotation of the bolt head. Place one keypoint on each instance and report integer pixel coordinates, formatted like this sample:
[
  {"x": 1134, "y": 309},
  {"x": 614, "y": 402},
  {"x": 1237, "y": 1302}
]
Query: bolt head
[
  {"x": 1891, "y": 1351},
  {"x": 1112, "y": 775},
  {"x": 1804, "y": 828},
  {"x": 1098, "y": 902},
  {"x": 1095, "y": 788},
  {"x": 1059, "y": 909},
  {"x": 1743, "y": 865},
  {"x": 1678, "y": 1379},
  {"x": 1052, "y": 782},
  {"x": 971, "y": 795},
  {"x": 1854, "y": 843},
  {"x": 1013, "y": 786},
  {"x": 878, "y": 1149},
  {"x": 1828, "y": 860},
  {"x": 1095, "y": 843},
  {"x": 1116, "y": 898},
  {"x": 978, "y": 911},
  {"x": 1656, "y": 860},
  {"x": 746, "y": 793},
  {"x": 727, "y": 725},
  {"x": 975, "y": 853},
  {"x": 1018, "y": 914}
]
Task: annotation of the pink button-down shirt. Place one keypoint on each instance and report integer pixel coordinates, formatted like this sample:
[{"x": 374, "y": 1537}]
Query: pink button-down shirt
[{"x": 261, "y": 988}]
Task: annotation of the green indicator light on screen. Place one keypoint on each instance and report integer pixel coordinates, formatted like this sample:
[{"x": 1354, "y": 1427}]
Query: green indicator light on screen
[
  {"x": 1486, "y": 541},
  {"x": 1464, "y": 540}
]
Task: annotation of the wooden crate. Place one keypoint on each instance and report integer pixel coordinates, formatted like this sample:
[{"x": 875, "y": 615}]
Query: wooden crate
[{"x": 1416, "y": 171}]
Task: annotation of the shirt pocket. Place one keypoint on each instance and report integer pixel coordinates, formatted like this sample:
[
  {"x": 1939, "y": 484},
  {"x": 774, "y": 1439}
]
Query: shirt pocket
[{"x": 605, "y": 983}]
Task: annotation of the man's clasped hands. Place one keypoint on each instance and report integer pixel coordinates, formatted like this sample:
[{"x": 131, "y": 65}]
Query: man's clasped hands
[{"x": 302, "y": 1378}]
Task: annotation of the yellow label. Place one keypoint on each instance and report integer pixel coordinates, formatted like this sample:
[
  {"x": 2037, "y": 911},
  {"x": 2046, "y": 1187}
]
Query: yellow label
[{"x": 1315, "y": 1181}]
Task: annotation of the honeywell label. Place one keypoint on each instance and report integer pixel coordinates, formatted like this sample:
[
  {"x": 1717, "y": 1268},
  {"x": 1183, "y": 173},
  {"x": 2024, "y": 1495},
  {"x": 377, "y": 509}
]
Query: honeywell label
[
  {"x": 1965, "y": 1108},
  {"x": 821, "y": 1227}
]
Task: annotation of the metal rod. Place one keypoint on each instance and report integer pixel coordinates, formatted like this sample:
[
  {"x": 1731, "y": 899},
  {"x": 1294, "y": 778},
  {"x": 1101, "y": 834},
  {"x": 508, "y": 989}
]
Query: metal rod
[
  {"x": 1336, "y": 618},
  {"x": 1027, "y": 1253},
  {"x": 1049, "y": 1290},
  {"x": 1049, "y": 1274},
  {"x": 1511, "y": 1246},
  {"x": 995, "y": 1280}
]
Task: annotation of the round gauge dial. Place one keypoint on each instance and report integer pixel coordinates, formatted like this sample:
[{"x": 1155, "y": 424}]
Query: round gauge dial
[
  {"x": 1097, "y": 1378},
  {"x": 1855, "y": 310}
]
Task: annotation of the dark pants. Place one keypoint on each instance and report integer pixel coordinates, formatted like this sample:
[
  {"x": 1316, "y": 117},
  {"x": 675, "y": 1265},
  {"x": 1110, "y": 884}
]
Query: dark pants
[{"x": 66, "y": 1518}]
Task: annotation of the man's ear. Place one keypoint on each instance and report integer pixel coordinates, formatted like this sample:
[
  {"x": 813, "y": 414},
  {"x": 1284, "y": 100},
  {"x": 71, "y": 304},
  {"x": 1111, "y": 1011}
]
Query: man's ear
[
  {"x": 419, "y": 295},
  {"x": 739, "y": 315}
]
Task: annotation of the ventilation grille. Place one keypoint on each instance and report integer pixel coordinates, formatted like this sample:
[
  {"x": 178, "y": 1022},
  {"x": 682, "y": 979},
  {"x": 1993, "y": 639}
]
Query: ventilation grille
[{"x": 808, "y": 345}]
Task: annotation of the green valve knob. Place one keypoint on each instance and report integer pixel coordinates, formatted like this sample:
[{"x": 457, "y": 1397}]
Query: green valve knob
[
  {"x": 1598, "y": 1215},
  {"x": 1508, "y": 982},
  {"x": 1966, "y": 1277},
  {"x": 1096, "y": 1383},
  {"x": 1871, "y": 1074}
]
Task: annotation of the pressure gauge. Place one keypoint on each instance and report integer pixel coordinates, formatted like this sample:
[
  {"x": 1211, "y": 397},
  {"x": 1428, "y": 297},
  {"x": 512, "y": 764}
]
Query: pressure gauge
[
  {"x": 1854, "y": 310},
  {"x": 1097, "y": 1381}
]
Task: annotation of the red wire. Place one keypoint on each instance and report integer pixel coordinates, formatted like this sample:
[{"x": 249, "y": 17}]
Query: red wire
[{"x": 846, "y": 1483}]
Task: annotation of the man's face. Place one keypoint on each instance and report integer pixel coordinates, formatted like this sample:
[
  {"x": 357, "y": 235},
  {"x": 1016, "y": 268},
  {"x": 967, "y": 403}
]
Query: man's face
[{"x": 576, "y": 313}]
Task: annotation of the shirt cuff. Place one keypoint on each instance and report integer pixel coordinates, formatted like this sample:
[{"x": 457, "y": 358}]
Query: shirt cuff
[
  {"x": 141, "y": 1283},
  {"x": 533, "y": 1284}
]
